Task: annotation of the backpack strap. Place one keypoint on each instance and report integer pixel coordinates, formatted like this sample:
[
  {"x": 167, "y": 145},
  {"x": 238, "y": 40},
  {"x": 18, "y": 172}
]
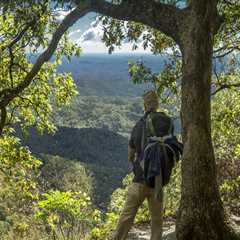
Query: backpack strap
[
  {"x": 147, "y": 125},
  {"x": 150, "y": 126},
  {"x": 170, "y": 130},
  {"x": 143, "y": 134}
]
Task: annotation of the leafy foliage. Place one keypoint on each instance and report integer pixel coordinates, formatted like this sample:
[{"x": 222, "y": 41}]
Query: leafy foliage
[
  {"x": 22, "y": 195},
  {"x": 67, "y": 215},
  {"x": 166, "y": 83},
  {"x": 92, "y": 178},
  {"x": 25, "y": 29},
  {"x": 74, "y": 175},
  {"x": 225, "y": 121},
  {"x": 19, "y": 189},
  {"x": 116, "y": 31}
]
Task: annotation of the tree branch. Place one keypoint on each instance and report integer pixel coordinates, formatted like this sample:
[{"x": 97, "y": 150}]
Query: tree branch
[
  {"x": 19, "y": 36},
  {"x": 3, "y": 119},
  {"x": 226, "y": 86},
  {"x": 8, "y": 95},
  {"x": 11, "y": 66},
  {"x": 226, "y": 52},
  {"x": 157, "y": 15}
]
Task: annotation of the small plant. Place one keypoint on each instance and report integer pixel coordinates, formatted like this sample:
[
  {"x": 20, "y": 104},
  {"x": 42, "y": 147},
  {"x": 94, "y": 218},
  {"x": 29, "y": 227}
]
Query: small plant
[{"x": 67, "y": 215}]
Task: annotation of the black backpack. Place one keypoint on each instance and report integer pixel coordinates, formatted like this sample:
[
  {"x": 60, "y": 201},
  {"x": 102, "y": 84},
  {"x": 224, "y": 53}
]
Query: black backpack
[{"x": 157, "y": 128}]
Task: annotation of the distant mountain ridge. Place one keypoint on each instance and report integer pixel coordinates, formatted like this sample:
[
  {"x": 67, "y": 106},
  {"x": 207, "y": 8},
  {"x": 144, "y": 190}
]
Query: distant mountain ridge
[{"x": 107, "y": 75}]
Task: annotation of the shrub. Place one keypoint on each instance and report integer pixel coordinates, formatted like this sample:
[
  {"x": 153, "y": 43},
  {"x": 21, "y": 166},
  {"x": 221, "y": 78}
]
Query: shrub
[
  {"x": 226, "y": 138},
  {"x": 18, "y": 179},
  {"x": 73, "y": 175},
  {"x": 66, "y": 215}
]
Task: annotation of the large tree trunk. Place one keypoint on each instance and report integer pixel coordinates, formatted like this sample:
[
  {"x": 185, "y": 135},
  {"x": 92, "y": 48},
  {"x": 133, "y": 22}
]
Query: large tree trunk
[{"x": 201, "y": 215}]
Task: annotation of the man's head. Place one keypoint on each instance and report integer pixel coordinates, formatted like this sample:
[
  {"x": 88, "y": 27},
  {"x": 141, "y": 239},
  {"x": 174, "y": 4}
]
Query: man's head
[{"x": 151, "y": 101}]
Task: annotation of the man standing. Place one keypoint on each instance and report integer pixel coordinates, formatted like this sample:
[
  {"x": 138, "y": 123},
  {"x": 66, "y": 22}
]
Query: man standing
[{"x": 138, "y": 191}]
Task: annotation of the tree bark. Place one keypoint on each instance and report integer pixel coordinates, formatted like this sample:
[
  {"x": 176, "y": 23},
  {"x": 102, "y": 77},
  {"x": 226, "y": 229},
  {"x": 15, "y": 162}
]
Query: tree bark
[{"x": 201, "y": 215}]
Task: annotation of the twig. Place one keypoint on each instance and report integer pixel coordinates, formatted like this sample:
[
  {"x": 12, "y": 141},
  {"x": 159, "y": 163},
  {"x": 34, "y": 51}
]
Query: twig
[
  {"x": 3, "y": 119},
  {"x": 226, "y": 86}
]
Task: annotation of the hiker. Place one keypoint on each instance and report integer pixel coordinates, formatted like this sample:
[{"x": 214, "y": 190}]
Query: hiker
[{"x": 152, "y": 151}]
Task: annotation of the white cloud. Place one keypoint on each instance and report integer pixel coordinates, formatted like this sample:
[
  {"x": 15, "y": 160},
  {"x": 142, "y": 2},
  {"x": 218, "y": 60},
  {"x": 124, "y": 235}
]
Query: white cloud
[
  {"x": 75, "y": 35},
  {"x": 60, "y": 14},
  {"x": 99, "y": 47},
  {"x": 75, "y": 32},
  {"x": 92, "y": 34},
  {"x": 91, "y": 41}
]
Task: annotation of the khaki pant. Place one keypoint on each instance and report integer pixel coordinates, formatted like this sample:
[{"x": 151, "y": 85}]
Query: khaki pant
[{"x": 136, "y": 194}]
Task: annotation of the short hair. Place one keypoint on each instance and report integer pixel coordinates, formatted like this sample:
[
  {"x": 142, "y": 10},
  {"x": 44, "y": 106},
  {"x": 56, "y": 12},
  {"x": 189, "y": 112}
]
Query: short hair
[{"x": 151, "y": 101}]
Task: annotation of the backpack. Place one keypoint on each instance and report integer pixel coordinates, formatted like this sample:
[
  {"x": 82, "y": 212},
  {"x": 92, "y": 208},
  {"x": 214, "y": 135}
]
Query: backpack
[{"x": 158, "y": 158}]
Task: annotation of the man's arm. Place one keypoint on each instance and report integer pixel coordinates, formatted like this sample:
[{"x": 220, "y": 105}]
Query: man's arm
[
  {"x": 131, "y": 153},
  {"x": 131, "y": 145}
]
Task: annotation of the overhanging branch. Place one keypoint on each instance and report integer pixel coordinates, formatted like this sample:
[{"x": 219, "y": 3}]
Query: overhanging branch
[
  {"x": 8, "y": 95},
  {"x": 156, "y": 15},
  {"x": 3, "y": 119},
  {"x": 18, "y": 37},
  {"x": 226, "y": 86}
]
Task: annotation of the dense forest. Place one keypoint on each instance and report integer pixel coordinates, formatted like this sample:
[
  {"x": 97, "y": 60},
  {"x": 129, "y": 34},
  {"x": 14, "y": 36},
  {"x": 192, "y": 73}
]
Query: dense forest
[{"x": 66, "y": 118}]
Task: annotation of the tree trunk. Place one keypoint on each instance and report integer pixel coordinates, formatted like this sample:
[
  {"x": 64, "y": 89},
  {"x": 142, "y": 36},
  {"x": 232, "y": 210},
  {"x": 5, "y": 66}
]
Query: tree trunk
[{"x": 201, "y": 215}]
